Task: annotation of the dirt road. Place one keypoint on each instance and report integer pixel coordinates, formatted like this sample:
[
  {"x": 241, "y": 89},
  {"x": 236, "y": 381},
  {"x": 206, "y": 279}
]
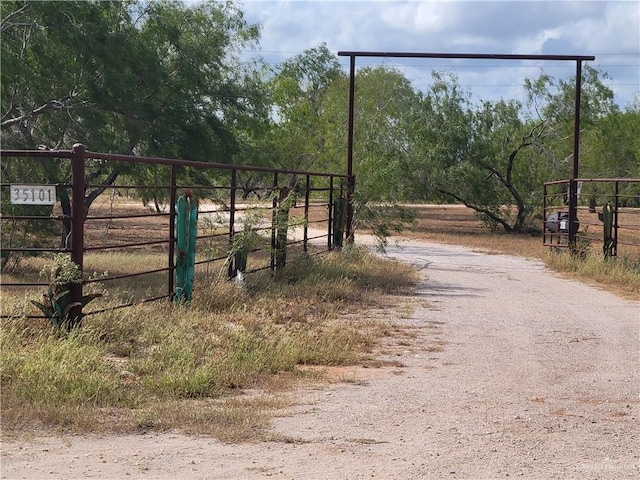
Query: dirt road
[{"x": 512, "y": 372}]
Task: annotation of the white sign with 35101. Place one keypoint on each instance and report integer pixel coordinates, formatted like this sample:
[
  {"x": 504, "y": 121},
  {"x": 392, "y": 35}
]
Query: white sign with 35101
[{"x": 33, "y": 194}]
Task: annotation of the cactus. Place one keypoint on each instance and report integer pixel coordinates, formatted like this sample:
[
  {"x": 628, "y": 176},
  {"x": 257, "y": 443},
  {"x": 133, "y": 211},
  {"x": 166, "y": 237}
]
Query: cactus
[
  {"x": 606, "y": 217},
  {"x": 56, "y": 301},
  {"x": 186, "y": 234},
  {"x": 339, "y": 213}
]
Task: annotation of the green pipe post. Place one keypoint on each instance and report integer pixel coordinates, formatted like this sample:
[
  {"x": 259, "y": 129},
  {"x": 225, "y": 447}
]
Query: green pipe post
[{"x": 186, "y": 234}]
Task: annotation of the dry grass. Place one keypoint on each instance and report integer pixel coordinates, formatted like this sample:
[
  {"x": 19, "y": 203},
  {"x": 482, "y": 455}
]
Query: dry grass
[
  {"x": 217, "y": 367},
  {"x": 458, "y": 225}
]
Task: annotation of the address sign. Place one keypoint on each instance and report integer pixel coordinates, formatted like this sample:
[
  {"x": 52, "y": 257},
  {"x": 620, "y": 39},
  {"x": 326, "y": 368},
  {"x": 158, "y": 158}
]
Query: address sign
[{"x": 33, "y": 194}]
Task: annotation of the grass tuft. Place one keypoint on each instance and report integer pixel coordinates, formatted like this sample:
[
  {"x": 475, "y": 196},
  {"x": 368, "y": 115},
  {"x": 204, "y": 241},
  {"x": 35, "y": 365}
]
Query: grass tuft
[{"x": 619, "y": 273}]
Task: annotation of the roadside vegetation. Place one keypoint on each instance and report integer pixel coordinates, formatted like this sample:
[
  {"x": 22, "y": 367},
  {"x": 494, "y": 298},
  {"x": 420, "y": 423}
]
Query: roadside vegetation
[
  {"x": 620, "y": 276},
  {"x": 216, "y": 367}
]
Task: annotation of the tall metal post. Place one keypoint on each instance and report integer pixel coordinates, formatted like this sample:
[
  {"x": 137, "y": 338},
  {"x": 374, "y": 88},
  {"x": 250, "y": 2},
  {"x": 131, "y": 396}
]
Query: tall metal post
[
  {"x": 573, "y": 183},
  {"x": 331, "y": 216},
  {"x": 305, "y": 232},
  {"x": 351, "y": 184},
  {"x": 77, "y": 228},
  {"x": 616, "y": 207},
  {"x": 274, "y": 225}
]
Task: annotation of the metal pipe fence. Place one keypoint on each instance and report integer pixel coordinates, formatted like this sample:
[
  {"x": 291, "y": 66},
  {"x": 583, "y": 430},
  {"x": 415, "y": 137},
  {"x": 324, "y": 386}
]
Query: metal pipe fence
[
  {"x": 103, "y": 221},
  {"x": 620, "y": 196}
]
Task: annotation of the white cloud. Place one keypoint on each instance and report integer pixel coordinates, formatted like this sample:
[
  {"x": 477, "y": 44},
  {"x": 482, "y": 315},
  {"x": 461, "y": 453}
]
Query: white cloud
[
  {"x": 418, "y": 17},
  {"x": 536, "y": 43},
  {"x": 617, "y": 29}
]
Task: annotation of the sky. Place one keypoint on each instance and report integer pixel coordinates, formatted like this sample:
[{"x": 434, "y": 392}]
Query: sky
[{"x": 610, "y": 30}]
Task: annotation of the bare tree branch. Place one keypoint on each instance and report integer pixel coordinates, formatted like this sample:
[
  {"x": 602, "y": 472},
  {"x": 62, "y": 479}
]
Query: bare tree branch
[
  {"x": 478, "y": 209},
  {"x": 60, "y": 104},
  {"x": 25, "y": 42},
  {"x": 506, "y": 179},
  {"x": 103, "y": 186},
  {"x": 5, "y": 22}
]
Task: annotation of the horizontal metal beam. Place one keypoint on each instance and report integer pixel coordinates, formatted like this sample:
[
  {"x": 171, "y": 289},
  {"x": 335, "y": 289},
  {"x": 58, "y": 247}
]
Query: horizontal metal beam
[
  {"x": 112, "y": 157},
  {"x": 36, "y": 153},
  {"x": 471, "y": 56}
]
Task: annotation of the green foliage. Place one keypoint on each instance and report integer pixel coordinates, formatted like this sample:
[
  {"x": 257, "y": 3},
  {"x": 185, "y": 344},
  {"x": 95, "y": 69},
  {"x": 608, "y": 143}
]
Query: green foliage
[
  {"x": 385, "y": 105},
  {"x": 246, "y": 240},
  {"x": 298, "y": 92},
  {"x": 132, "y": 76},
  {"x": 612, "y": 147},
  {"x": 384, "y": 220}
]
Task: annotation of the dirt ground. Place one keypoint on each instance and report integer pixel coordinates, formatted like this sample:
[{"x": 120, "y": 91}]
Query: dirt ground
[{"x": 512, "y": 372}]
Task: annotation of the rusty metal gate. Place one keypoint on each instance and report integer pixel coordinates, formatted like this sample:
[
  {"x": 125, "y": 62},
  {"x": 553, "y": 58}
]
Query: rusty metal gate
[
  {"x": 236, "y": 192},
  {"x": 585, "y": 229}
]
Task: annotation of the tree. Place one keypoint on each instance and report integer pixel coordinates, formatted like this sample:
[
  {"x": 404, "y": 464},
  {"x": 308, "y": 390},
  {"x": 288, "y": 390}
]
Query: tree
[
  {"x": 612, "y": 147},
  {"x": 384, "y": 102},
  {"x": 297, "y": 139},
  {"x": 493, "y": 157},
  {"x": 134, "y": 77},
  {"x": 439, "y": 137},
  {"x": 607, "y": 134},
  {"x": 472, "y": 154}
]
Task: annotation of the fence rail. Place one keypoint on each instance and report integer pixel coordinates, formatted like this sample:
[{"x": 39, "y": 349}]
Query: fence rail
[
  {"x": 595, "y": 198},
  {"x": 98, "y": 212}
]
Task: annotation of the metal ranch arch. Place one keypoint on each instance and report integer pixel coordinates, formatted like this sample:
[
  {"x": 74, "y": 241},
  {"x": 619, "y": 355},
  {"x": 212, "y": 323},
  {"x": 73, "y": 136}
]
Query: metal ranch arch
[{"x": 573, "y": 198}]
